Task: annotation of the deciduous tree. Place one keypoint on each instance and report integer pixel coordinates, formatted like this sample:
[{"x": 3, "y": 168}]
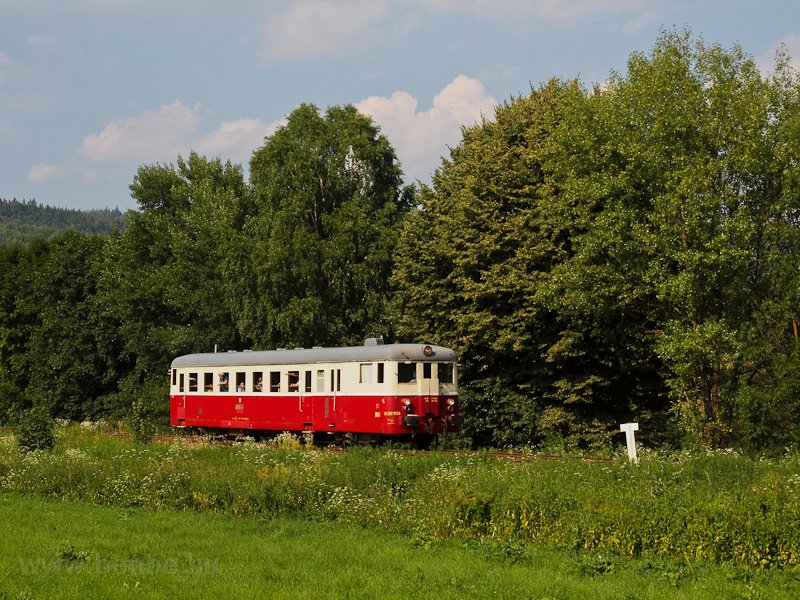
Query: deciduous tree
[
  {"x": 164, "y": 278},
  {"x": 318, "y": 251}
]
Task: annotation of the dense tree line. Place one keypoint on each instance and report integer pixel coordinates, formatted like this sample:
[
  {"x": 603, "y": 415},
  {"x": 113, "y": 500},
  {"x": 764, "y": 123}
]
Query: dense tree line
[
  {"x": 626, "y": 252},
  {"x": 23, "y": 221},
  {"x": 300, "y": 256}
]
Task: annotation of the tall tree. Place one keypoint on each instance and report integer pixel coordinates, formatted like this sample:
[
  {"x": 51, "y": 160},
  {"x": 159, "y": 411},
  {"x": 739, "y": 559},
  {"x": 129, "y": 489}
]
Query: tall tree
[
  {"x": 492, "y": 240},
  {"x": 70, "y": 359},
  {"x": 765, "y": 409},
  {"x": 17, "y": 321},
  {"x": 675, "y": 202},
  {"x": 317, "y": 253},
  {"x": 54, "y": 346},
  {"x": 164, "y": 278}
]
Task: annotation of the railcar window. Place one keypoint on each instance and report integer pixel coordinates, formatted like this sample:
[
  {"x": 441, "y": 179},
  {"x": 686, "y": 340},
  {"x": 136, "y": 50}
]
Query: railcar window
[
  {"x": 380, "y": 372},
  {"x": 174, "y": 377},
  {"x": 258, "y": 382},
  {"x": 365, "y": 374},
  {"x": 320, "y": 380},
  {"x": 406, "y": 372},
  {"x": 426, "y": 370},
  {"x": 308, "y": 381},
  {"x": 240, "y": 379},
  {"x": 274, "y": 381},
  {"x": 180, "y": 379},
  {"x": 192, "y": 382},
  {"x": 338, "y": 380},
  {"x": 294, "y": 381},
  {"x": 208, "y": 382},
  {"x": 445, "y": 373},
  {"x": 223, "y": 382}
]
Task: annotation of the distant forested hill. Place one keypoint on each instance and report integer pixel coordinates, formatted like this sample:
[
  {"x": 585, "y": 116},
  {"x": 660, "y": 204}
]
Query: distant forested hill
[{"x": 22, "y": 221}]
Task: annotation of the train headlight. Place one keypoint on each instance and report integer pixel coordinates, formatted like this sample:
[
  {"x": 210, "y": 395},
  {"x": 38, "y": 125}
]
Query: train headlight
[
  {"x": 427, "y": 351},
  {"x": 451, "y": 402}
]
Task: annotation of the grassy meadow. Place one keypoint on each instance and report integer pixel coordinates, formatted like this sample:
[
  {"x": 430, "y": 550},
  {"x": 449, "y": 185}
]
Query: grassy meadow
[
  {"x": 61, "y": 549},
  {"x": 671, "y": 523}
]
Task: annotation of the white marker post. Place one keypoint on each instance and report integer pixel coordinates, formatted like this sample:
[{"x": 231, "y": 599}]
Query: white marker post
[{"x": 630, "y": 440}]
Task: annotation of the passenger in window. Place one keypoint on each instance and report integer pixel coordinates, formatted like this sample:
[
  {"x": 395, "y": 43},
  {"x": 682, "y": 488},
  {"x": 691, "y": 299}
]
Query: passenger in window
[
  {"x": 223, "y": 382},
  {"x": 240, "y": 387},
  {"x": 294, "y": 379}
]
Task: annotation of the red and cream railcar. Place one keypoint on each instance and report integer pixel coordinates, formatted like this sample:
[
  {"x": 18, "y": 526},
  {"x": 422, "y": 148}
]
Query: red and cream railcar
[{"x": 366, "y": 393}]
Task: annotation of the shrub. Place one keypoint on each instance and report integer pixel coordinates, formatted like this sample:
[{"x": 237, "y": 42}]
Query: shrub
[
  {"x": 35, "y": 429},
  {"x": 8, "y": 402},
  {"x": 141, "y": 424}
]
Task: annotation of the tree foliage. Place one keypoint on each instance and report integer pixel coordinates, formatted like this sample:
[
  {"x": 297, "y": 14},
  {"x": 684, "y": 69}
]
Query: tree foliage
[
  {"x": 163, "y": 279},
  {"x": 616, "y": 252},
  {"x": 317, "y": 251},
  {"x": 471, "y": 258},
  {"x": 90, "y": 325},
  {"x": 23, "y": 221},
  {"x": 626, "y": 252},
  {"x": 56, "y": 351},
  {"x": 70, "y": 363},
  {"x": 687, "y": 198}
]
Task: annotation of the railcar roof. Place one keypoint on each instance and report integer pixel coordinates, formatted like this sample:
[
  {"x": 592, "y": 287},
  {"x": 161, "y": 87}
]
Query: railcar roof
[{"x": 398, "y": 352}]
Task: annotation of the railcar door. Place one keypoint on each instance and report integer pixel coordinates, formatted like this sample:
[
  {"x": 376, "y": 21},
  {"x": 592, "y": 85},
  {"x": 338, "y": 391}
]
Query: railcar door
[
  {"x": 322, "y": 402},
  {"x": 429, "y": 388},
  {"x": 283, "y": 400}
]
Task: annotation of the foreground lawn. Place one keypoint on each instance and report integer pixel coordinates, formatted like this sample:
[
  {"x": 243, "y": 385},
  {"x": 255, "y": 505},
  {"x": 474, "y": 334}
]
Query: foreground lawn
[
  {"x": 691, "y": 507},
  {"x": 61, "y": 549}
]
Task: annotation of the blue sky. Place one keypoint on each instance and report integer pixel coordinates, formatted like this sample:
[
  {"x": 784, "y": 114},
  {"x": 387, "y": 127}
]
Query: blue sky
[{"x": 92, "y": 89}]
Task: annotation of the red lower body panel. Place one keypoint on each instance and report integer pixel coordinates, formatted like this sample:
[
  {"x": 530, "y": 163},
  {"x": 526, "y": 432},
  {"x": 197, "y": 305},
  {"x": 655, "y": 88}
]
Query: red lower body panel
[{"x": 381, "y": 415}]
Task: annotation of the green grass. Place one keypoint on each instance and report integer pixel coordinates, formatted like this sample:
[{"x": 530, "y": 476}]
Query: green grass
[
  {"x": 60, "y": 549},
  {"x": 712, "y": 507}
]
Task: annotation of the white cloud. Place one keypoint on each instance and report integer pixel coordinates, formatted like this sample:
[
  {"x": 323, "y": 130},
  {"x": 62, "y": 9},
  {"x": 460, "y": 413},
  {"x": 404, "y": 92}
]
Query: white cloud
[
  {"x": 465, "y": 99},
  {"x": 317, "y": 27},
  {"x": 236, "y": 140},
  {"x": 152, "y": 135},
  {"x": 422, "y": 137},
  {"x": 43, "y": 172},
  {"x": 308, "y": 28}
]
